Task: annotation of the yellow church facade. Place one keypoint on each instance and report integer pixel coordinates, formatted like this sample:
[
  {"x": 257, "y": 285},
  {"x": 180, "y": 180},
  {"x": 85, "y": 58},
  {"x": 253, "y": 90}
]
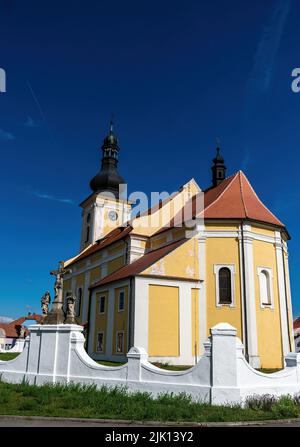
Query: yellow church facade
[{"x": 160, "y": 281}]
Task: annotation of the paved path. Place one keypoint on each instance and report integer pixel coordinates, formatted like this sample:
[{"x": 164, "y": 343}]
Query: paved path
[{"x": 34, "y": 421}]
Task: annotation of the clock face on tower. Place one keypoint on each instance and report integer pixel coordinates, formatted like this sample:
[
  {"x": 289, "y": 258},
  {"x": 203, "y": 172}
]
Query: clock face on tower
[{"x": 113, "y": 215}]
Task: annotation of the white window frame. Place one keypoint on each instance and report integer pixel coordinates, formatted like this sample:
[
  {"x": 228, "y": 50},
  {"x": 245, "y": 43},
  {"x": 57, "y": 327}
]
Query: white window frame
[
  {"x": 217, "y": 268},
  {"x": 102, "y": 296},
  {"x": 103, "y": 350},
  {"x": 270, "y": 275},
  {"x": 123, "y": 347},
  {"x": 119, "y": 293}
]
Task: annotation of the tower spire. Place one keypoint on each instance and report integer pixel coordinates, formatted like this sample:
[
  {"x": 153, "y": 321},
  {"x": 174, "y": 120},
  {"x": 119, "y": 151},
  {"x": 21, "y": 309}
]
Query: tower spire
[
  {"x": 108, "y": 178},
  {"x": 218, "y": 168}
]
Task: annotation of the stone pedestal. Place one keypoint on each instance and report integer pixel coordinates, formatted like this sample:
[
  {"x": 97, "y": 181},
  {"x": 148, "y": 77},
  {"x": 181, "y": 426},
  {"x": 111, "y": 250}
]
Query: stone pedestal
[{"x": 56, "y": 315}]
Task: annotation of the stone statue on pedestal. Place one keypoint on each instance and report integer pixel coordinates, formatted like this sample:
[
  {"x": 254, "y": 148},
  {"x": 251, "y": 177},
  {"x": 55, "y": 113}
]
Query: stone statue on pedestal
[
  {"x": 70, "y": 314},
  {"x": 45, "y": 301},
  {"x": 56, "y": 315}
]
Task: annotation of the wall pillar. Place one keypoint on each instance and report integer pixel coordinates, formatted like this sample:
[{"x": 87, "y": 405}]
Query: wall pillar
[
  {"x": 282, "y": 294},
  {"x": 254, "y": 359},
  {"x": 224, "y": 364},
  {"x": 202, "y": 291}
]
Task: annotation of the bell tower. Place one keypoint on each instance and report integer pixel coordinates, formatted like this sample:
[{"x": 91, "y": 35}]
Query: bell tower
[
  {"x": 106, "y": 208},
  {"x": 218, "y": 169}
]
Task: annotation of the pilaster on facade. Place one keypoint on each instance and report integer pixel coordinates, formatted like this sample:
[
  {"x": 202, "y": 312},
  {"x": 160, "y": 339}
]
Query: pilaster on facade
[
  {"x": 289, "y": 297},
  {"x": 281, "y": 281},
  {"x": 135, "y": 248},
  {"x": 202, "y": 292},
  {"x": 253, "y": 355}
]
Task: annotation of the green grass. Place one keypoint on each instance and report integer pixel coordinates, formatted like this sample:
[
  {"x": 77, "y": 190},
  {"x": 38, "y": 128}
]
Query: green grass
[
  {"x": 159, "y": 365},
  {"x": 8, "y": 355},
  {"x": 269, "y": 370},
  {"x": 106, "y": 363},
  {"x": 172, "y": 367},
  {"x": 89, "y": 402}
]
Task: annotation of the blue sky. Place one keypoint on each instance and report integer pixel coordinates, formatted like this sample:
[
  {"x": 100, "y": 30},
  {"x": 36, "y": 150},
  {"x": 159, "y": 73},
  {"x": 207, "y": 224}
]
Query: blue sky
[{"x": 176, "y": 75}]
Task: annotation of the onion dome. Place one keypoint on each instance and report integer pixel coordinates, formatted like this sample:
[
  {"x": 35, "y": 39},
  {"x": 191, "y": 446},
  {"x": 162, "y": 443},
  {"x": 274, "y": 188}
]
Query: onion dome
[{"x": 108, "y": 178}]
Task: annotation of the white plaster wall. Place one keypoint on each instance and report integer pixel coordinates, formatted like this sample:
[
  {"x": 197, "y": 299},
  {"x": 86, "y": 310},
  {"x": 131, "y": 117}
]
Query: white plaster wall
[{"x": 55, "y": 353}]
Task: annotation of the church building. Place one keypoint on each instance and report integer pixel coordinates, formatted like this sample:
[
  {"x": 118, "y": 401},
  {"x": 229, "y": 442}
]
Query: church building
[{"x": 160, "y": 282}]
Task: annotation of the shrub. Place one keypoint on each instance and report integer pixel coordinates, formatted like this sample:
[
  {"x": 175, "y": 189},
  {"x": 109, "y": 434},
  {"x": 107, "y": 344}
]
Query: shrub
[
  {"x": 264, "y": 402},
  {"x": 285, "y": 407}
]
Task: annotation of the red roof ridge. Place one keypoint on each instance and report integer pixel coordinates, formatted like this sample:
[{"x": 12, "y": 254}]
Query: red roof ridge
[
  {"x": 276, "y": 218},
  {"x": 140, "y": 264},
  {"x": 242, "y": 192},
  {"x": 230, "y": 180}
]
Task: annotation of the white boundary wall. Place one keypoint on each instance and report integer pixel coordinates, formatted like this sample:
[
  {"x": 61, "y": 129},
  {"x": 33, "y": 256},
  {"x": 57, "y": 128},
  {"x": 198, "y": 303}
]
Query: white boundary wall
[
  {"x": 17, "y": 347},
  {"x": 56, "y": 354}
]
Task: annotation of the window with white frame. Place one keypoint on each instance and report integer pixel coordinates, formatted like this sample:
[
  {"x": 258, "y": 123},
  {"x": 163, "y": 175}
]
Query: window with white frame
[
  {"x": 265, "y": 286},
  {"x": 102, "y": 303},
  {"x": 120, "y": 342},
  {"x": 121, "y": 301},
  {"x": 224, "y": 280},
  {"x": 100, "y": 342}
]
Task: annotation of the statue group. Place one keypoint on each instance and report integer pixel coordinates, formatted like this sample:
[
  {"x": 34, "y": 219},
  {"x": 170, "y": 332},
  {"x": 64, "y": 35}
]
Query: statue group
[{"x": 57, "y": 315}]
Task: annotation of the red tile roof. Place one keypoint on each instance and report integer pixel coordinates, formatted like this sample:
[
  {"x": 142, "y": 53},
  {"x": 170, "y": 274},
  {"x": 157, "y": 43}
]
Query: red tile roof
[
  {"x": 12, "y": 329},
  {"x": 234, "y": 198},
  {"x": 114, "y": 236},
  {"x": 296, "y": 324},
  {"x": 140, "y": 264}
]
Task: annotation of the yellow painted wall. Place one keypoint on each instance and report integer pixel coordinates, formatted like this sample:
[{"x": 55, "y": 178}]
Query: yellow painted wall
[
  {"x": 115, "y": 264},
  {"x": 148, "y": 225},
  {"x": 222, "y": 226},
  {"x": 181, "y": 262},
  {"x": 120, "y": 319},
  {"x": 264, "y": 231},
  {"x": 95, "y": 275},
  {"x": 80, "y": 264},
  {"x": 222, "y": 251},
  {"x": 96, "y": 257},
  {"x": 195, "y": 322},
  {"x": 267, "y": 320},
  {"x": 163, "y": 332},
  {"x": 178, "y": 233},
  {"x": 115, "y": 248},
  {"x": 158, "y": 242},
  {"x": 100, "y": 319}
]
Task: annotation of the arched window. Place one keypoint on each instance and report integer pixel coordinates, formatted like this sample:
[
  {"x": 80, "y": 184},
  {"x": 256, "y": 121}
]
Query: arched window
[
  {"x": 225, "y": 296},
  {"x": 78, "y": 301},
  {"x": 265, "y": 295}
]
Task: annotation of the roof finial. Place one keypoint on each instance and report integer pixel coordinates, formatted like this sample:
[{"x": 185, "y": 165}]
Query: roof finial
[
  {"x": 218, "y": 141},
  {"x": 111, "y": 124}
]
